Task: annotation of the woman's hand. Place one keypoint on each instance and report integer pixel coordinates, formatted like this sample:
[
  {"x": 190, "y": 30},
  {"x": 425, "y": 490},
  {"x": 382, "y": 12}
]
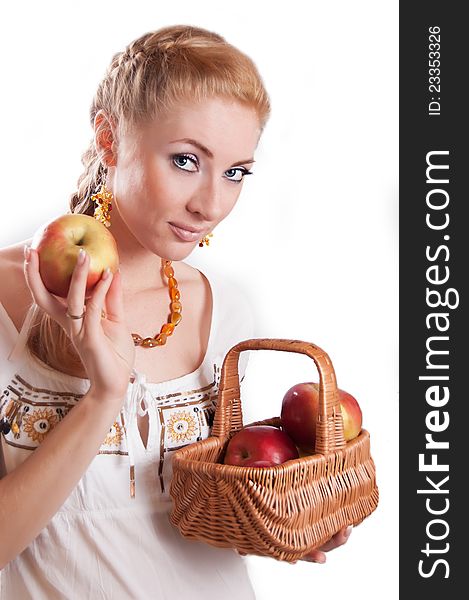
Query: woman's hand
[
  {"x": 318, "y": 554},
  {"x": 105, "y": 345}
]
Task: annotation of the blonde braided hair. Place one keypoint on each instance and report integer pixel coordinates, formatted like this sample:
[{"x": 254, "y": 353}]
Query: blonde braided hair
[
  {"x": 158, "y": 70},
  {"x": 146, "y": 79}
]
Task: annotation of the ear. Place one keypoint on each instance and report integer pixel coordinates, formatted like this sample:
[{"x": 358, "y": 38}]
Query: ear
[{"x": 104, "y": 139}]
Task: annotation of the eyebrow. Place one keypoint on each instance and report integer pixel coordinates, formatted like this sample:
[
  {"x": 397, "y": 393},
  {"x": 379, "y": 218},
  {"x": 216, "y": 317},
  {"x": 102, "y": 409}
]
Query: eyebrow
[{"x": 206, "y": 151}]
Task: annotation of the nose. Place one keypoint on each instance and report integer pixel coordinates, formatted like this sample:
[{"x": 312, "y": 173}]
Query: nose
[{"x": 208, "y": 201}]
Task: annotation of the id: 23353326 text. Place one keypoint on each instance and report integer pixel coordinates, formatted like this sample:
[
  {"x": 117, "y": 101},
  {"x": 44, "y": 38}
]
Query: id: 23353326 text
[{"x": 434, "y": 72}]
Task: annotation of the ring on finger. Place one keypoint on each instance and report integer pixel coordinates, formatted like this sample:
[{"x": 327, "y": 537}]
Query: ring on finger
[{"x": 75, "y": 316}]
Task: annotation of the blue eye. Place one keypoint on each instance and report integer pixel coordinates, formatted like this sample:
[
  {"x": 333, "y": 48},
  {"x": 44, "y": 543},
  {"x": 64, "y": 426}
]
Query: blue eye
[
  {"x": 241, "y": 171},
  {"x": 181, "y": 160}
]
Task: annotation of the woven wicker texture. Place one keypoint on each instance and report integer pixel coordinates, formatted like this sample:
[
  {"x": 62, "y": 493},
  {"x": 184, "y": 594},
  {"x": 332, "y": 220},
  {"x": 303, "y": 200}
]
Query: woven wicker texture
[{"x": 283, "y": 511}]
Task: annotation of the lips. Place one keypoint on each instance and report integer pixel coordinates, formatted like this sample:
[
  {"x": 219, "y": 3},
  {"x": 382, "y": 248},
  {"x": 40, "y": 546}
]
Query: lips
[
  {"x": 185, "y": 235},
  {"x": 187, "y": 227}
]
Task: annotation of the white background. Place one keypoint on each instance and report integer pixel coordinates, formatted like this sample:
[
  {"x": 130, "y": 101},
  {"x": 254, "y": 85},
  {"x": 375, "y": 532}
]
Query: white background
[{"x": 313, "y": 238}]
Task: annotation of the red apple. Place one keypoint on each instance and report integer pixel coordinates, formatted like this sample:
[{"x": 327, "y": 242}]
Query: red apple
[
  {"x": 299, "y": 414},
  {"x": 58, "y": 243},
  {"x": 258, "y": 444}
]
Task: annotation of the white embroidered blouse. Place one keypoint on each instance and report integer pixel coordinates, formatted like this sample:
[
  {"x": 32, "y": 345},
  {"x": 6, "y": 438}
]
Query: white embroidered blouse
[{"x": 103, "y": 543}]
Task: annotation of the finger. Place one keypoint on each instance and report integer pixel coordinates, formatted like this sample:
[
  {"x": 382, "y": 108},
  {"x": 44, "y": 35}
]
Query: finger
[
  {"x": 95, "y": 304},
  {"x": 316, "y": 556},
  {"x": 41, "y": 295},
  {"x": 337, "y": 540},
  {"x": 77, "y": 290},
  {"x": 114, "y": 300}
]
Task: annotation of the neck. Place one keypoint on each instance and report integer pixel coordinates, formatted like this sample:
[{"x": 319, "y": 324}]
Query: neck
[{"x": 141, "y": 269}]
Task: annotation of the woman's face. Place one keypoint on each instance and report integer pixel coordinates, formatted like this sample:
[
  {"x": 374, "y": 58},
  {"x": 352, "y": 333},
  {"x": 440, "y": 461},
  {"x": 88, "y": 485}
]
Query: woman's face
[{"x": 183, "y": 172}]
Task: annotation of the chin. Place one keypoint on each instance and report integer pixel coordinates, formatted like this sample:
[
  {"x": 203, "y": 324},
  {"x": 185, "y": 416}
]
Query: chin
[{"x": 176, "y": 252}]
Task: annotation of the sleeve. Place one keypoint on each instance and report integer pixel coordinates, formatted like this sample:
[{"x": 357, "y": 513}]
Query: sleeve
[
  {"x": 8, "y": 339},
  {"x": 246, "y": 331},
  {"x": 236, "y": 321},
  {"x": 8, "y": 333}
]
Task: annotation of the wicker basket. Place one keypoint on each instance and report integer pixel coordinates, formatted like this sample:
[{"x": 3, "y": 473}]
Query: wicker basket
[{"x": 283, "y": 511}]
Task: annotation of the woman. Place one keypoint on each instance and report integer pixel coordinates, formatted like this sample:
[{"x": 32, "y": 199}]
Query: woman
[{"x": 176, "y": 121}]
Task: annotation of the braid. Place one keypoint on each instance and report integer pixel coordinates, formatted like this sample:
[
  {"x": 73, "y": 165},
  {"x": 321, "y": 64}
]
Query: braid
[
  {"x": 93, "y": 176},
  {"x": 165, "y": 41}
]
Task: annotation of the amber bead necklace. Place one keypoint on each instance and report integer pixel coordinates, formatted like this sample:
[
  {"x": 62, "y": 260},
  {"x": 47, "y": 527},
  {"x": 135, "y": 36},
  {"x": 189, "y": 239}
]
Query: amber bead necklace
[
  {"x": 175, "y": 317},
  {"x": 102, "y": 213}
]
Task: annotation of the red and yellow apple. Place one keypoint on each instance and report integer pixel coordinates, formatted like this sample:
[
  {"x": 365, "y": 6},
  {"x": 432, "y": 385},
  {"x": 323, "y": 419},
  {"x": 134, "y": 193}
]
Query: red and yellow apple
[
  {"x": 299, "y": 414},
  {"x": 260, "y": 446},
  {"x": 58, "y": 243}
]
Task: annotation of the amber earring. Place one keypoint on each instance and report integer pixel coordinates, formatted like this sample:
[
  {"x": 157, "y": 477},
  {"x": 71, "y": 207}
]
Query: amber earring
[
  {"x": 103, "y": 199},
  {"x": 205, "y": 240}
]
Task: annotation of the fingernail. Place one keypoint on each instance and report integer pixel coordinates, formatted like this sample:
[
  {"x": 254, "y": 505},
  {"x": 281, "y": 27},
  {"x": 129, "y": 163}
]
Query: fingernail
[
  {"x": 81, "y": 256},
  {"x": 27, "y": 251},
  {"x": 348, "y": 531},
  {"x": 106, "y": 273}
]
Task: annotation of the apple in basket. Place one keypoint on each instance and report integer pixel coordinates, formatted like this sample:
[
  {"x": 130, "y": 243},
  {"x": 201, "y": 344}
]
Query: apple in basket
[
  {"x": 299, "y": 414},
  {"x": 58, "y": 243},
  {"x": 260, "y": 446}
]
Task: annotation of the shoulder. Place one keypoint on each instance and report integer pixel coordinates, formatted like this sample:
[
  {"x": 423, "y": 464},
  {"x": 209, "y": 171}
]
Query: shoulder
[
  {"x": 234, "y": 308},
  {"x": 234, "y": 316},
  {"x": 15, "y": 296},
  {"x": 233, "y": 311},
  {"x": 13, "y": 255},
  {"x": 232, "y": 294}
]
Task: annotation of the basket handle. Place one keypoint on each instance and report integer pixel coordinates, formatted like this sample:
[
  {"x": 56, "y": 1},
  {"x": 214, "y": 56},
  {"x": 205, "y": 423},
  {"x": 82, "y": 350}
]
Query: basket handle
[{"x": 228, "y": 414}]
